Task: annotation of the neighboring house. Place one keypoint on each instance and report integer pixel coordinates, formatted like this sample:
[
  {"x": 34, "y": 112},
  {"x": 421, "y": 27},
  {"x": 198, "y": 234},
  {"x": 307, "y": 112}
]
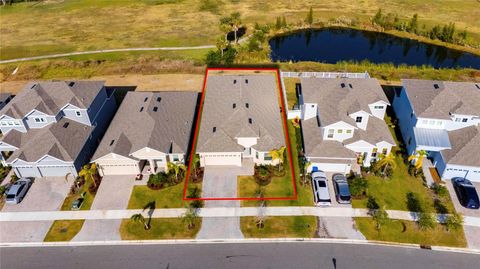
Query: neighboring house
[
  {"x": 148, "y": 130},
  {"x": 442, "y": 118},
  {"x": 52, "y": 128},
  {"x": 342, "y": 122},
  {"x": 241, "y": 118},
  {"x": 5, "y": 99}
]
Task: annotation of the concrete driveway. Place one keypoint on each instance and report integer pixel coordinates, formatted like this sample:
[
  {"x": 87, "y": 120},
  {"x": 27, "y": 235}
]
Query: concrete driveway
[
  {"x": 45, "y": 194},
  {"x": 331, "y": 190},
  {"x": 114, "y": 193},
  {"x": 338, "y": 227}
]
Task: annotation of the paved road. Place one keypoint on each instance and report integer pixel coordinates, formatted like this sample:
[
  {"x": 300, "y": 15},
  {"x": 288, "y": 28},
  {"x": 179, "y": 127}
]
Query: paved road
[{"x": 232, "y": 256}]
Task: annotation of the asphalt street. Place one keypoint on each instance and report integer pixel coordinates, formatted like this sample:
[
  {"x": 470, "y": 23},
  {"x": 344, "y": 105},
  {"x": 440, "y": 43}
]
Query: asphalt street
[{"x": 233, "y": 256}]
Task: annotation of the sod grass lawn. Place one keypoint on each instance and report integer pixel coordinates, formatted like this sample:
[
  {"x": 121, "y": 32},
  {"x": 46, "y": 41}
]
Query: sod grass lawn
[
  {"x": 88, "y": 198},
  {"x": 408, "y": 232},
  {"x": 63, "y": 230},
  {"x": 164, "y": 228},
  {"x": 280, "y": 227},
  {"x": 169, "y": 197}
]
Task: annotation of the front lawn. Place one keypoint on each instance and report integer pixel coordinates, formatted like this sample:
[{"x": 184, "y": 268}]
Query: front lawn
[
  {"x": 280, "y": 227},
  {"x": 408, "y": 232},
  {"x": 161, "y": 228},
  {"x": 63, "y": 230},
  {"x": 88, "y": 198},
  {"x": 280, "y": 186}
]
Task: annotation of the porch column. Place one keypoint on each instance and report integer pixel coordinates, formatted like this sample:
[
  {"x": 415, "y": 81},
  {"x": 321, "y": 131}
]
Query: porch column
[{"x": 152, "y": 166}]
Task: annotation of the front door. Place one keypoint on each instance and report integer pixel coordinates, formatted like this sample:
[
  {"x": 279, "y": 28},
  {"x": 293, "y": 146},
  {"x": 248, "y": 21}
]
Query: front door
[{"x": 247, "y": 152}]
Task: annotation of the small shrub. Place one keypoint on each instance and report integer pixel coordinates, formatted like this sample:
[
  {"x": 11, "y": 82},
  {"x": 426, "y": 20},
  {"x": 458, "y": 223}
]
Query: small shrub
[
  {"x": 157, "y": 181},
  {"x": 426, "y": 221},
  {"x": 440, "y": 207},
  {"x": 413, "y": 204},
  {"x": 440, "y": 190},
  {"x": 372, "y": 203},
  {"x": 380, "y": 216},
  {"x": 2, "y": 190},
  {"x": 263, "y": 175},
  {"x": 358, "y": 186},
  {"x": 13, "y": 178},
  {"x": 454, "y": 222}
]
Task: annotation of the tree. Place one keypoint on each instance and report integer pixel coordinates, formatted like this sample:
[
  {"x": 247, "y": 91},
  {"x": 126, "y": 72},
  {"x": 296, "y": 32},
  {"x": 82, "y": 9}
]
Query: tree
[
  {"x": 305, "y": 166},
  {"x": 278, "y": 24},
  {"x": 413, "y": 24},
  {"x": 377, "y": 19},
  {"x": 189, "y": 218},
  {"x": 417, "y": 158},
  {"x": 176, "y": 168},
  {"x": 372, "y": 204},
  {"x": 386, "y": 161},
  {"x": 195, "y": 165},
  {"x": 454, "y": 222},
  {"x": 358, "y": 186},
  {"x": 278, "y": 154},
  {"x": 380, "y": 216},
  {"x": 225, "y": 26},
  {"x": 140, "y": 219},
  {"x": 284, "y": 22},
  {"x": 222, "y": 44},
  {"x": 236, "y": 21},
  {"x": 89, "y": 172},
  {"x": 309, "y": 19},
  {"x": 426, "y": 221}
]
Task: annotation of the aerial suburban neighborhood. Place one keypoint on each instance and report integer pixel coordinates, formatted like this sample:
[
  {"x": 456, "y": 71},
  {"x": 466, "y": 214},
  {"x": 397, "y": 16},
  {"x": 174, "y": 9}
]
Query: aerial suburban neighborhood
[{"x": 264, "y": 134}]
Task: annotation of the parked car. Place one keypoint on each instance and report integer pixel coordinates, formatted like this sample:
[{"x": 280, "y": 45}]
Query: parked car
[
  {"x": 466, "y": 193},
  {"x": 342, "y": 192},
  {"x": 18, "y": 190},
  {"x": 321, "y": 196}
]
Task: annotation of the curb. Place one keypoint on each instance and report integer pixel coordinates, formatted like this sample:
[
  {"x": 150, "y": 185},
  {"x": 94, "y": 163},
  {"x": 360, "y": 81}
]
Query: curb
[{"x": 239, "y": 241}]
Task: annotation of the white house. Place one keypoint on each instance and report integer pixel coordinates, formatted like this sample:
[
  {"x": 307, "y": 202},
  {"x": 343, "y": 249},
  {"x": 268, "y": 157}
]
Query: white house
[
  {"x": 148, "y": 130},
  {"x": 342, "y": 122},
  {"x": 241, "y": 118},
  {"x": 443, "y": 118}
]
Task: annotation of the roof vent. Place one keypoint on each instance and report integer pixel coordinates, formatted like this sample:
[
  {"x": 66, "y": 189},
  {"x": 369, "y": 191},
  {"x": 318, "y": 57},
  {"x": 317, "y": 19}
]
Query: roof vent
[
  {"x": 234, "y": 105},
  {"x": 155, "y": 108},
  {"x": 141, "y": 109},
  {"x": 33, "y": 86},
  {"x": 234, "y": 81},
  {"x": 214, "y": 129},
  {"x": 111, "y": 142},
  {"x": 342, "y": 85},
  {"x": 350, "y": 85},
  {"x": 436, "y": 86},
  {"x": 159, "y": 99},
  {"x": 71, "y": 83},
  {"x": 65, "y": 125},
  {"x": 246, "y": 105},
  {"x": 246, "y": 81},
  {"x": 146, "y": 99},
  {"x": 250, "y": 120}
]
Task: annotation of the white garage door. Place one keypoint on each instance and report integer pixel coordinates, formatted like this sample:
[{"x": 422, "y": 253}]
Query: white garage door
[
  {"x": 55, "y": 171},
  {"x": 222, "y": 159},
  {"x": 126, "y": 169},
  {"x": 26, "y": 171},
  {"x": 331, "y": 167}
]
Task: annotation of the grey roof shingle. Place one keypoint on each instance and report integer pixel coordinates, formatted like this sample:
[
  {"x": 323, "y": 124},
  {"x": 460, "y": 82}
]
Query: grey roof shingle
[
  {"x": 240, "y": 109},
  {"x": 450, "y": 97},
  {"x": 465, "y": 147},
  {"x": 335, "y": 102},
  {"x": 50, "y": 96},
  {"x": 63, "y": 140},
  {"x": 377, "y": 131},
  {"x": 137, "y": 125}
]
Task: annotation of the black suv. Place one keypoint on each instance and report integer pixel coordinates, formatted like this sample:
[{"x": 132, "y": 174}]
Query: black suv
[{"x": 466, "y": 193}]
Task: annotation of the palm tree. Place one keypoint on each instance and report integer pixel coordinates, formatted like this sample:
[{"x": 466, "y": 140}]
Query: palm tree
[
  {"x": 236, "y": 21},
  {"x": 386, "y": 161},
  {"x": 176, "y": 168},
  {"x": 418, "y": 158},
  {"x": 140, "y": 219},
  {"x": 278, "y": 154},
  {"x": 222, "y": 44},
  {"x": 195, "y": 165},
  {"x": 189, "y": 218},
  {"x": 306, "y": 164},
  {"x": 225, "y": 26},
  {"x": 89, "y": 172}
]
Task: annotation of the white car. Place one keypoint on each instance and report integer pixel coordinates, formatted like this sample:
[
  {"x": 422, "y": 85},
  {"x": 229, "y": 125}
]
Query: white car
[
  {"x": 321, "y": 195},
  {"x": 18, "y": 190}
]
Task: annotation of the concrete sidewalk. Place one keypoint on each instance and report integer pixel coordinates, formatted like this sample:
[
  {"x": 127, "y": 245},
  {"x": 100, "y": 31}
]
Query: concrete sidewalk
[{"x": 213, "y": 212}]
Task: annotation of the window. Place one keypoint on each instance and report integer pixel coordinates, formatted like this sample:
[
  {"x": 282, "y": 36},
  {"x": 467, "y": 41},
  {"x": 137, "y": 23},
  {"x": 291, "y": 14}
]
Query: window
[
  {"x": 358, "y": 119},
  {"x": 432, "y": 122},
  {"x": 78, "y": 113},
  {"x": 464, "y": 120},
  {"x": 330, "y": 133},
  {"x": 349, "y": 131},
  {"x": 339, "y": 131},
  {"x": 424, "y": 121},
  {"x": 384, "y": 151},
  {"x": 10, "y": 123},
  {"x": 374, "y": 152},
  {"x": 267, "y": 157},
  {"x": 378, "y": 107},
  {"x": 458, "y": 120},
  {"x": 4, "y": 123},
  {"x": 17, "y": 123},
  {"x": 175, "y": 157},
  {"x": 256, "y": 154},
  {"x": 439, "y": 123},
  {"x": 37, "y": 119}
]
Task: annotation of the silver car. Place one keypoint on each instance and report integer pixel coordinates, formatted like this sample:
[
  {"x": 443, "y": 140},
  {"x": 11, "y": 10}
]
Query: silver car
[
  {"x": 18, "y": 190},
  {"x": 321, "y": 195}
]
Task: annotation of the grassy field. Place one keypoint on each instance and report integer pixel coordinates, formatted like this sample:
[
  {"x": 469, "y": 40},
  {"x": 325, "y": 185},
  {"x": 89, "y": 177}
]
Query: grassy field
[
  {"x": 280, "y": 227},
  {"x": 408, "y": 232},
  {"x": 63, "y": 230},
  {"x": 170, "y": 197},
  {"x": 63, "y": 26},
  {"x": 168, "y": 228}
]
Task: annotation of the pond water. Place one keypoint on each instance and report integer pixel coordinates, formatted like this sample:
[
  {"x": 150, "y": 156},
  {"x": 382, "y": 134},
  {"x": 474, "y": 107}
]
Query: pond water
[{"x": 330, "y": 45}]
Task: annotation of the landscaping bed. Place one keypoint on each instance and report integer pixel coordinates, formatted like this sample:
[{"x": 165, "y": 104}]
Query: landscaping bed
[
  {"x": 160, "y": 228},
  {"x": 279, "y": 227}
]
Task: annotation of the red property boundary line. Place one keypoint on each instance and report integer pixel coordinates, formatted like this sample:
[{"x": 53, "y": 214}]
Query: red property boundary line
[{"x": 285, "y": 129}]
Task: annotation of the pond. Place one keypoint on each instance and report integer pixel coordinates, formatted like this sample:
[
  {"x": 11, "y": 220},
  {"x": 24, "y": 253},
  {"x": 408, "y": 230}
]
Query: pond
[{"x": 330, "y": 45}]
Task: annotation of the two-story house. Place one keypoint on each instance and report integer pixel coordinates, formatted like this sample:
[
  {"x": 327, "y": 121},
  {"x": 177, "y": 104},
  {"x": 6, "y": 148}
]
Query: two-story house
[
  {"x": 148, "y": 130},
  {"x": 442, "y": 118},
  {"x": 342, "y": 122},
  {"x": 240, "y": 119},
  {"x": 51, "y": 128}
]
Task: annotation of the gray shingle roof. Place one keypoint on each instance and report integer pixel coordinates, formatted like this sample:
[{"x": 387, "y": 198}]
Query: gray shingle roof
[
  {"x": 465, "y": 147},
  {"x": 377, "y": 131},
  {"x": 63, "y": 140},
  {"x": 450, "y": 97},
  {"x": 50, "y": 96},
  {"x": 335, "y": 102},
  {"x": 137, "y": 125},
  {"x": 240, "y": 109}
]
